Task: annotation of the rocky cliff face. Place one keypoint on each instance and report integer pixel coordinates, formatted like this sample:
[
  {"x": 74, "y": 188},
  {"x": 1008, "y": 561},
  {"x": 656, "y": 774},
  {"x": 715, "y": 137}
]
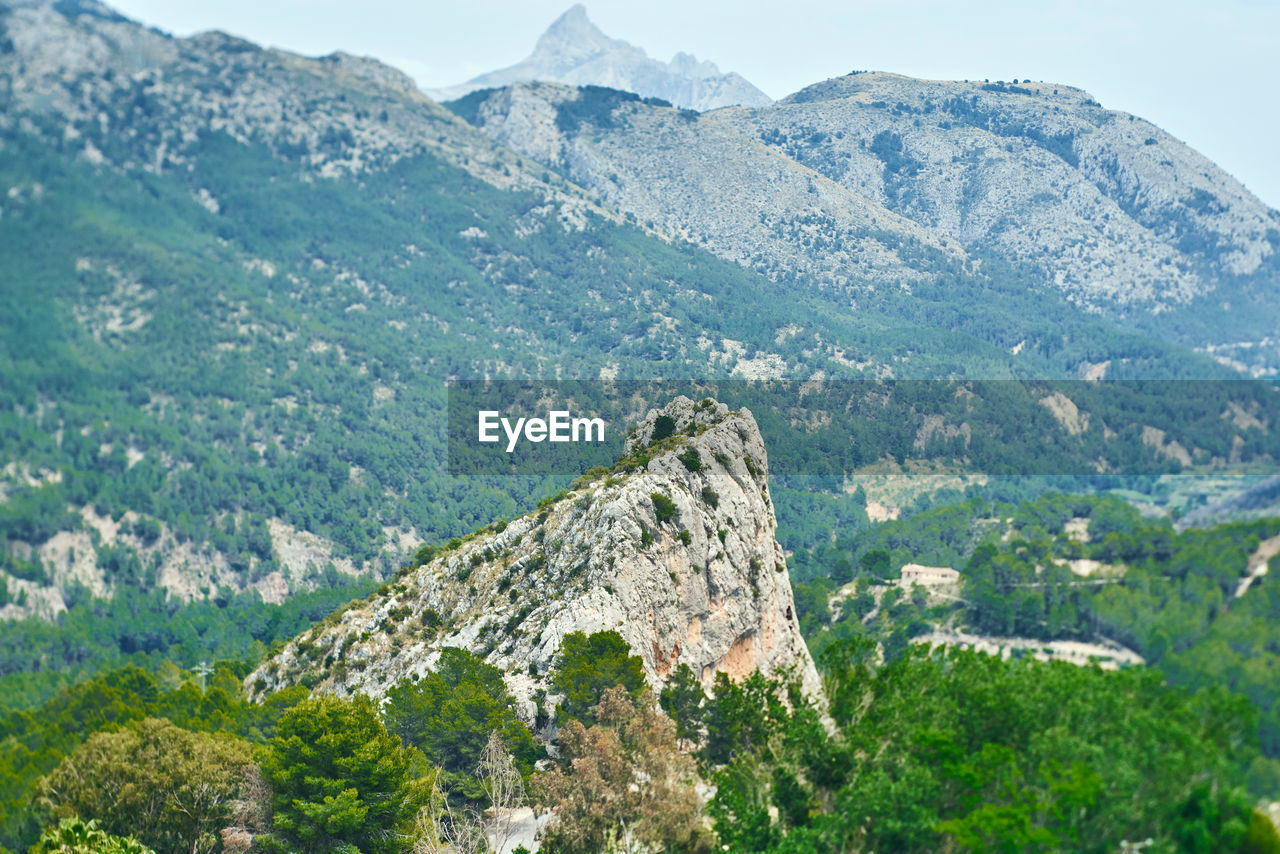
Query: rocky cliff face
[
  {"x": 574, "y": 51},
  {"x": 703, "y": 583}
]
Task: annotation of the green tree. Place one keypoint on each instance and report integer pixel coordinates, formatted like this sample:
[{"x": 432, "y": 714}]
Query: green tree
[
  {"x": 74, "y": 836},
  {"x": 450, "y": 712},
  {"x": 875, "y": 563},
  {"x": 664, "y": 509},
  {"x": 663, "y": 427},
  {"x": 172, "y": 787},
  {"x": 741, "y": 716},
  {"x": 684, "y": 699},
  {"x": 586, "y": 666},
  {"x": 339, "y": 780}
]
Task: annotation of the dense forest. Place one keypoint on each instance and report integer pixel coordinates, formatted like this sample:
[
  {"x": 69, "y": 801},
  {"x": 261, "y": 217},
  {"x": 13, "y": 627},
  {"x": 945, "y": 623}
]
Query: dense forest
[
  {"x": 1007, "y": 755},
  {"x": 1174, "y": 597}
]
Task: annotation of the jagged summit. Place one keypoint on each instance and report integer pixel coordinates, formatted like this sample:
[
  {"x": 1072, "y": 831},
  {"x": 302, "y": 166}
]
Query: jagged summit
[
  {"x": 675, "y": 550},
  {"x": 574, "y": 51},
  {"x": 572, "y": 38}
]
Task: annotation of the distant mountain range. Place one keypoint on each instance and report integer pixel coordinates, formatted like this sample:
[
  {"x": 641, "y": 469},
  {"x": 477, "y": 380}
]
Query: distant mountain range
[
  {"x": 234, "y": 280},
  {"x": 840, "y": 187},
  {"x": 574, "y": 51}
]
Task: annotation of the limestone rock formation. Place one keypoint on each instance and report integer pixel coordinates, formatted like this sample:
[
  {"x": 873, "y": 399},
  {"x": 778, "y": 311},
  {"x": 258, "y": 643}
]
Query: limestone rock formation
[
  {"x": 1114, "y": 210},
  {"x": 698, "y": 178},
  {"x": 701, "y": 581},
  {"x": 574, "y": 51}
]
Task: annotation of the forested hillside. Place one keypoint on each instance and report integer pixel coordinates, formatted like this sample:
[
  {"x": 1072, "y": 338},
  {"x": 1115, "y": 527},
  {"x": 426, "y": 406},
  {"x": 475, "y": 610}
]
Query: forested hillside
[
  {"x": 1198, "y": 606},
  {"x": 1020, "y": 755}
]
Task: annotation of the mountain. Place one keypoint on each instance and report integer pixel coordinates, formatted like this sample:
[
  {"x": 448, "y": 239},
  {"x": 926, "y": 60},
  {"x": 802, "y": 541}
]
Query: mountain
[
  {"x": 676, "y": 550},
  {"x": 234, "y": 285},
  {"x": 235, "y": 280},
  {"x": 870, "y": 183},
  {"x": 575, "y": 52},
  {"x": 700, "y": 178},
  {"x": 1118, "y": 213}
]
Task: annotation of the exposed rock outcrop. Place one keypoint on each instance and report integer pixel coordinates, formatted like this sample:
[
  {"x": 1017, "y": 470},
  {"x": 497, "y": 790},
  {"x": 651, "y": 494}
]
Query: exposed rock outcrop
[
  {"x": 668, "y": 169},
  {"x": 1114, "y": 210},
  {"x": 700, "y": 580}
]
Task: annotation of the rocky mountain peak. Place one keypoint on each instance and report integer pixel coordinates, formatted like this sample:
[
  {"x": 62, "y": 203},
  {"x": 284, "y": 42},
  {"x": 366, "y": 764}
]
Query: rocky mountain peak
[
  {"x": 688, "y": 65},
  {"x": 573, "y": 50},
  {"x": 573, "y": 36},
  {"x": 683, "y": 416},
  {"x": 71, "y": 8},
  {"x": 675, "y": 549}
]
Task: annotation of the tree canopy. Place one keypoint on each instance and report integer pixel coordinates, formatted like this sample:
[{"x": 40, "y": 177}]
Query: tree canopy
[
  {"x": 340, "y": 781},
  {"x": 450, "y": 712},
  {"x": 587, "y": 665}
]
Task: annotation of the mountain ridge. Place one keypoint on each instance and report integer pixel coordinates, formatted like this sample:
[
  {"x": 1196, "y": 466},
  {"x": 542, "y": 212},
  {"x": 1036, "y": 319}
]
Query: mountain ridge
[{"x": 1100, "y": 207}]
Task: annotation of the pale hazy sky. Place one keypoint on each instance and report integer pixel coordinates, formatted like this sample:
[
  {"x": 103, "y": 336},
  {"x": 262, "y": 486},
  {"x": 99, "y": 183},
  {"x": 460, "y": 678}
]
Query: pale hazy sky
[{"x": 1207, "y": 72}]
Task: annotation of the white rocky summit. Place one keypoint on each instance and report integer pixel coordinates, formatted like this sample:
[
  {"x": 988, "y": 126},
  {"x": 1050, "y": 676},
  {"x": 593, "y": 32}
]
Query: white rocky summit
[
  {"x": 574, "y": 51},
  {"x": 702, "y": 582}
]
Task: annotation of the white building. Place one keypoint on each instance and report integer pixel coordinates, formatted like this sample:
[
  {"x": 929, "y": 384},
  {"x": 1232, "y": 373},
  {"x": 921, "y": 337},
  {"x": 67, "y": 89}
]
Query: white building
[{"x": 914, "y": 573}]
